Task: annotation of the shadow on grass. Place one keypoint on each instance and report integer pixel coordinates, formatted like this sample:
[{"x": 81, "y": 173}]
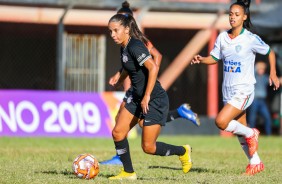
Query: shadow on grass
[
  {"x": 204, "y": 170},
  {"x": 157, "y": 178},
  {"x": 141, "y": 178},
  {"x": 55, "y": 172},
  {"x": 105, "y": 175},
  {"x": 70, "y": 173},
  {"x": 198, "y": 170},
  {"x": 163, "y": 167},
  {"x": 65, "y": 172}
]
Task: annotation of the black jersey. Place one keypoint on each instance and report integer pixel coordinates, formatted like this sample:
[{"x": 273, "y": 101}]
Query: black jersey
[{"x": 133, "y": 57}]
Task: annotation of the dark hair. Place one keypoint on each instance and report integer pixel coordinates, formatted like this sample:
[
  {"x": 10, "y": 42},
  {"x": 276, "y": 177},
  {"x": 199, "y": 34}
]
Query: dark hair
[
  {"x": 128, "y": 21},
  {"x": 125, "y": 9},
  {"x": 245, "y": 4}
]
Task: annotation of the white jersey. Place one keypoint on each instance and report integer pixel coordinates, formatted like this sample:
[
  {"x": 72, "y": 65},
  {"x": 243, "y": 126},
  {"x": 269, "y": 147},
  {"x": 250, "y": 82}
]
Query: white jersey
[{"x": 238, "y": 57}]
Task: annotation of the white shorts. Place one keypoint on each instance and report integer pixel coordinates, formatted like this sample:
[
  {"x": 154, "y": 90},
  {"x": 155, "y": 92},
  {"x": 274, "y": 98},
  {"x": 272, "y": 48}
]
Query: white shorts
[{"x": 240, "y": 96}]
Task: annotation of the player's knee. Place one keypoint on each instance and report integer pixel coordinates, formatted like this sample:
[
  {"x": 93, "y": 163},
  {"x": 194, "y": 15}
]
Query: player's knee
[
  {"x": 220, "y": 123},
  {"x": 118, "y": 135},
  {"x": 148, "y": 148}
]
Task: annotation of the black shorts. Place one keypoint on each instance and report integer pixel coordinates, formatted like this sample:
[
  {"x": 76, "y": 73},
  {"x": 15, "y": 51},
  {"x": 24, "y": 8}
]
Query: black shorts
[{"x": 158, "y": 110}]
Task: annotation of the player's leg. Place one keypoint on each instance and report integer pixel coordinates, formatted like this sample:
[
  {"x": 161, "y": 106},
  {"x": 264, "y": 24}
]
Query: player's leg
[
  {"x": 153, "y": 120},
  {"x": 120, "y": 108},
  {"x": 184, "y": 111},
  {"x": 151, "y": 146},
  {"x": 115, "y": 160},
  {"x": 226, "y": 121},
  {"x": 242, "y": 119},
  {"x": 125, "y": 122},
  {"x": 237, "y": 100},
  {"x": 229, "y": 114},
  {"x": 255, "y": 165}
]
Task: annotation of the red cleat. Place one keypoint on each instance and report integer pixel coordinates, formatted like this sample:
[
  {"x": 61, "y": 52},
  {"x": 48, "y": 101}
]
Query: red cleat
[
  {"x": 253, "y": 169},
  {"x": 253, "y": 142}
]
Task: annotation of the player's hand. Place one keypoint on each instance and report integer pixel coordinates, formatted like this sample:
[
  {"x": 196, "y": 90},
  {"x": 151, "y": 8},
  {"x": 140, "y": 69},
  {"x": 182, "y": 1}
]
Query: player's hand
[
  {"x": 196, "y": 60},
  {"x": 274, "y": 81},
  {"x": 114, "y": 79},
  {"x": 145, "y": 104}
]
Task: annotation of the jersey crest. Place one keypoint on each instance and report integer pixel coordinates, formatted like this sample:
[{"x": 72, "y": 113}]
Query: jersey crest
[
  {"x": 238, "y": 48},
  {"x": 129, "y": 99},
  {"x": 124, "y": 58}
]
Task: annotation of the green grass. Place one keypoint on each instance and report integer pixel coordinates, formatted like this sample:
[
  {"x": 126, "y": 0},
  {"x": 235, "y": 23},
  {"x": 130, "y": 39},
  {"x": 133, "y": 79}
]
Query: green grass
[{"x": 215, "y": 160}]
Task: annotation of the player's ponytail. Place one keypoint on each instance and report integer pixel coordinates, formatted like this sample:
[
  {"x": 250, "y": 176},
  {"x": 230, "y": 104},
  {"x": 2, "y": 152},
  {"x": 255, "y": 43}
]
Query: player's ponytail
[
  {"x": 125, "y": 9},
  {"x": 127, "y": 20},
  {"x": 135, "y": 31},
  {"x": 245, "y": 4}
]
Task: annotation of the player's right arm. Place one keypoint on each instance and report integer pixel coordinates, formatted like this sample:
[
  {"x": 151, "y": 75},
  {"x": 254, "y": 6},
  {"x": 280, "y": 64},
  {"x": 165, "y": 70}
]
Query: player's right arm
[
  {"x": 215, "y": 54},
  {"x": 209, "y": 60},
  {"x": 117, "y": 79},
  {"x": 114, "y": 79}
]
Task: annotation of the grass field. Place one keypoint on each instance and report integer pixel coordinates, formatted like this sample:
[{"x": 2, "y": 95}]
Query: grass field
[{"x": 215, "y": 160}]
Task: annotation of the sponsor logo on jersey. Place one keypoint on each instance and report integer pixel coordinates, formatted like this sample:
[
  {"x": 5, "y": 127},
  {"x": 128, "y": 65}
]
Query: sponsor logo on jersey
[
  {"x": 232, "y": 66},
  {"x": 141, "y": 57}
]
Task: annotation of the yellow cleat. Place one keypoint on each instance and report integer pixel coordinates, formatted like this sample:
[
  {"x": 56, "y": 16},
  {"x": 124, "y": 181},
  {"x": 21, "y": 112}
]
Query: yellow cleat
[
  {"x": 124, "y": 176},
  {"x": 186, "y": 160}
]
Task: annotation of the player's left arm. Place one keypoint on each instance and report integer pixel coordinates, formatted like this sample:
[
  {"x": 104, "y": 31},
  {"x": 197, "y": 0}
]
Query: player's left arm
[
  {"x": 273, "y": 79},
  {"x": 259, "y": 46},
  {"x": 157, "y": 56}
]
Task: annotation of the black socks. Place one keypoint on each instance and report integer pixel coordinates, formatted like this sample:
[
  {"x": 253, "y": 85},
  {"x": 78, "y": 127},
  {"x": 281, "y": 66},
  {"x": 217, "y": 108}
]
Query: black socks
[
  {"x": 122, "y": 149},
  {"x": 164, "y": 149},
  {"x": 172, "y": 115}
]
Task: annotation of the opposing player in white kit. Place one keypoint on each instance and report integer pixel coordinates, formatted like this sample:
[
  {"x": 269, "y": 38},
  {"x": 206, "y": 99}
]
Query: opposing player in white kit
[{"x": 237, "y": 48}]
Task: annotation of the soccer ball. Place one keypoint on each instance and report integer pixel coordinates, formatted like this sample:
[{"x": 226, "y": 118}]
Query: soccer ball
[{"x": 85, "y": 166}]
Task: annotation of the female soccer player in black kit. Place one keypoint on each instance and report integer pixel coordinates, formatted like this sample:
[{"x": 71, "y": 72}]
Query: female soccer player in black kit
[
  {"x": 149, "y": 103},
  {"x": 183, "y": 111}
]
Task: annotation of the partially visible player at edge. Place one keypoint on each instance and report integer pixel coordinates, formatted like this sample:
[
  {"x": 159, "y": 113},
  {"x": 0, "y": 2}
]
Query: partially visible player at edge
[
  {"x": 149, "y": 104},
  {"x": 184, "y": 111},
  {"x": 237, "y": 48}
]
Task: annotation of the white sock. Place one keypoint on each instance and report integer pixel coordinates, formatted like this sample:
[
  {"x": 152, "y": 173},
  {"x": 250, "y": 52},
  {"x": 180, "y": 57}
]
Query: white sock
[
  {"x": 244, "y": 145},
  {"x": 255, "y": 158},
  {"x": 239, "y": 129}
]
